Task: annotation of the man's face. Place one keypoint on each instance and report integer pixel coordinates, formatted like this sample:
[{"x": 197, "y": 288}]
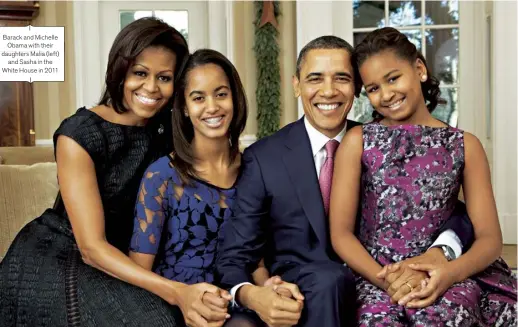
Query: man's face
[{"x": 326, "y": 87}]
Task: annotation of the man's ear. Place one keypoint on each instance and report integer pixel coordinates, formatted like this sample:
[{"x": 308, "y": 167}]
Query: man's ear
[{"x": 296, "y": 86}]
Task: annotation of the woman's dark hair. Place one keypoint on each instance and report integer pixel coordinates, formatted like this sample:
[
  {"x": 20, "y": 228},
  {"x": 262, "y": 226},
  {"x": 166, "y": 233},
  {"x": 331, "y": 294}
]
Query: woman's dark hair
[
  {"x": 183, "y": 130},
  {"x": 388, "y": 38},
  {"x": 129, "y": 43}
]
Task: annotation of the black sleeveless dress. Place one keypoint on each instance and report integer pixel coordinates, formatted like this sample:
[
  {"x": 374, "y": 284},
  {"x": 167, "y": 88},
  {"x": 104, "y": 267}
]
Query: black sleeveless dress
[{"x": 43, "y": 280}]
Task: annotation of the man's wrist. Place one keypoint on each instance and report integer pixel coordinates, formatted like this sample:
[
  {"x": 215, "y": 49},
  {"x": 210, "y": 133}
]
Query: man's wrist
[
  {"x": 447, "y": 251},
  {"x": 244, "y": 294},
  {"x": 452, "y": 242},
  {"x": 437, "y": 253}
]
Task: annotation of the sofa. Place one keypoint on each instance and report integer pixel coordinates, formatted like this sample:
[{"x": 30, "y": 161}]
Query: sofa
[{"x": 28, "y": 186}]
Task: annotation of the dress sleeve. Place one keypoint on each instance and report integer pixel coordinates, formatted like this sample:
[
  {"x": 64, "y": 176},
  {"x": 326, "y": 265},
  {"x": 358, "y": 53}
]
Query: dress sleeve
[
  {"x": 86, "y": 131},
  {"x": 151, "y": 212}
]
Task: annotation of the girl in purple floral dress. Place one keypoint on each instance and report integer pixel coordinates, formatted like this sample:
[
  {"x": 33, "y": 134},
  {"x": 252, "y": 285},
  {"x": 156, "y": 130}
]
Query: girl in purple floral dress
[{"x": 409, "y": 168}]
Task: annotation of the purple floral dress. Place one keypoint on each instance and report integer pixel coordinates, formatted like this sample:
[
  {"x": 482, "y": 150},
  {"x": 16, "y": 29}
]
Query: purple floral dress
[
  {"x": 411, "y": 176},
  {"x": 179, "y": 224}
]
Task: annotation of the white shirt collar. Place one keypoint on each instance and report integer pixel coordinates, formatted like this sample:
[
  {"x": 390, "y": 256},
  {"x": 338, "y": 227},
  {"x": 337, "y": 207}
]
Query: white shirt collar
[{"x": 319, "y": 140}]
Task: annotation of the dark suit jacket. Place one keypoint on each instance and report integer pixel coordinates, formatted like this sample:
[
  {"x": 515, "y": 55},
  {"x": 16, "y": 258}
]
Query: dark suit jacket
[{"x": 279, "y": 213}]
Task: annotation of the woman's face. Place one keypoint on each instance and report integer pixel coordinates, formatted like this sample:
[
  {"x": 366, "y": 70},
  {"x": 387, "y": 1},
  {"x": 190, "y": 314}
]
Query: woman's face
[
  {"x": 208, "y": 101},
  {"x": 149, "y": 82}
]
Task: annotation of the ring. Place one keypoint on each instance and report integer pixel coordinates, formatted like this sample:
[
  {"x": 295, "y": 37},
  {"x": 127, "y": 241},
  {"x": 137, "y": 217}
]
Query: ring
[{"x": 410, "y": 286}]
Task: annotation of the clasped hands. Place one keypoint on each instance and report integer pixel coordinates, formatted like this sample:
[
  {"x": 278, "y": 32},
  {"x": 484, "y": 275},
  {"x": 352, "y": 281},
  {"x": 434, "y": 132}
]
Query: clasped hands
[
  {"x": 418, "y": 282},
  {"x": 278, "y": 304}
]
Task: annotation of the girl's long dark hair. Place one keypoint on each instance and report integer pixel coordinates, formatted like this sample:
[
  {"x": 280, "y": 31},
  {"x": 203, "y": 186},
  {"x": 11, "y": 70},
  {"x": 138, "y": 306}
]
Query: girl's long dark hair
[{"x": 183, "y": 132}]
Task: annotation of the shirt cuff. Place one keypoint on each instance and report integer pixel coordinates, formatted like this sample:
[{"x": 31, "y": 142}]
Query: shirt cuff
[
  {"x": 450, "y": 239},
  {"x": 233, "y": 292}
]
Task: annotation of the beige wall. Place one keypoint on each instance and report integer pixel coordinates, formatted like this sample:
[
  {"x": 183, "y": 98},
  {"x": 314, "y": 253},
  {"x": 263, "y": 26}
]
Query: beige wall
[
  {"x": 244, "y": 59},
  {"x": 54, "y": 101},
  {"x": 288, "y": 60}
]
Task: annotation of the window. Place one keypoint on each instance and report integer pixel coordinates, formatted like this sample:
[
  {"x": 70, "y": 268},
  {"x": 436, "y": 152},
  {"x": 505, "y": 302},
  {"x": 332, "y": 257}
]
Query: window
[
  {"x": 433, "y": 26},
  {"x": 177, "y": 18}
]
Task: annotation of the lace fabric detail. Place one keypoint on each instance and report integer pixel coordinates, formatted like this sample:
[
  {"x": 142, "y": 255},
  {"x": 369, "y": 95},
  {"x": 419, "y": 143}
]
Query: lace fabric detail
[{"x": 179, "y": 223}]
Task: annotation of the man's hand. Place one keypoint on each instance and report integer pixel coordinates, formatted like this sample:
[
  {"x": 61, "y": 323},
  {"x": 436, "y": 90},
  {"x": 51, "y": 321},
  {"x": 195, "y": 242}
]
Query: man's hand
[
  {"x": 442, "y": 277},
  {"x": 283, "y": 288},
  {"x": 403, "y": 279},
  {"x": 274, "y": 309}
]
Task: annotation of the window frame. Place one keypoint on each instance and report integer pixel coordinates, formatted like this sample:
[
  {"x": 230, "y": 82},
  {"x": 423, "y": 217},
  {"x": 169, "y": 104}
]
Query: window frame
[{"x": 473, "y": 54}]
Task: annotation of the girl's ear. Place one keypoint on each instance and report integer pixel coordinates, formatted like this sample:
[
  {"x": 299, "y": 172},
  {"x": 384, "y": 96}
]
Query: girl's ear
[{"x": 421, "y": 70}]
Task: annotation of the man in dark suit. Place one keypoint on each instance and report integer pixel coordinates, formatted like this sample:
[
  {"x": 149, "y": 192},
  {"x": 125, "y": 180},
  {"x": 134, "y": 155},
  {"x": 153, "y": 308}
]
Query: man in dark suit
[{"x": 283, "y": 198}]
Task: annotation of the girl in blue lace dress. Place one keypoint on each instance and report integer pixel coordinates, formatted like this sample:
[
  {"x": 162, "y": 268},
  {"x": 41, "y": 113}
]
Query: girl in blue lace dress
[
  {"x": 185, "y": 197},
  {"x": 408, "y": 168}
]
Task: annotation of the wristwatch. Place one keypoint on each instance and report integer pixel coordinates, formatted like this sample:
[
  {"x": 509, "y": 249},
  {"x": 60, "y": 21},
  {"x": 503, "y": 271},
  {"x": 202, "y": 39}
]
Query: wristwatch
[{"x": 448, "y": 251}]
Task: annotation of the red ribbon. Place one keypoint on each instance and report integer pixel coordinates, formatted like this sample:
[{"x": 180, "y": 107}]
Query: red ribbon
[{"x": 268, "y": 15}]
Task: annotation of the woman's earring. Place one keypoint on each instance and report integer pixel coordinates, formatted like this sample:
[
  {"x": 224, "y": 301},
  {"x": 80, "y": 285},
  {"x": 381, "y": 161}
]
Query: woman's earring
[
  {"x": 186, "y": 114},
  {"x": 423, "y": 78}
]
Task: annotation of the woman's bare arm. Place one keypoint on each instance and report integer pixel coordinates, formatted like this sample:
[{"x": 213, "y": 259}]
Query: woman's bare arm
[
  {"x": 143, "y": 259},
  {"x": 80, "y": 192}
]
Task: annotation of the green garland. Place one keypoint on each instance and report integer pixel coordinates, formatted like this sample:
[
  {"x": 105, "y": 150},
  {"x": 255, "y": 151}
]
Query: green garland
[{"x": 268, "y": 92}]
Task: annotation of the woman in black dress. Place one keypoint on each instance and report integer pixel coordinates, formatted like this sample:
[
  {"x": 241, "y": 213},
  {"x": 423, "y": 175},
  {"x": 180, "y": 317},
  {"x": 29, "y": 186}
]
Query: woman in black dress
[{"x": 70, "y": 265}]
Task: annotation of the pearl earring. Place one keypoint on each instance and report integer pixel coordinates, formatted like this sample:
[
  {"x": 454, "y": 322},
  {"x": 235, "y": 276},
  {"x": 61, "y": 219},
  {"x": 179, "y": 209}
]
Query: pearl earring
[{"x": 423, "y": 78}]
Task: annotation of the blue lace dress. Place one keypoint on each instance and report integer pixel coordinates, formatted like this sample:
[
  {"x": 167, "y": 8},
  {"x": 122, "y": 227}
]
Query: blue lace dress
[{"x": 179, "y": 223}]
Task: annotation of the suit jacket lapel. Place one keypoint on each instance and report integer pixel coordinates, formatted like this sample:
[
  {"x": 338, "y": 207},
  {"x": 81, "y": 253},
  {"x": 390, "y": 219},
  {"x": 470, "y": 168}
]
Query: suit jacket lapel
[{"x": 300, "y": 166}]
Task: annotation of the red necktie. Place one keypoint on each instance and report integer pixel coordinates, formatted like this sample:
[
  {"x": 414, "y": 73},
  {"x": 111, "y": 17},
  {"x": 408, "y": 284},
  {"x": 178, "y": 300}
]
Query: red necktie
[{"x": 326, "y": 173}]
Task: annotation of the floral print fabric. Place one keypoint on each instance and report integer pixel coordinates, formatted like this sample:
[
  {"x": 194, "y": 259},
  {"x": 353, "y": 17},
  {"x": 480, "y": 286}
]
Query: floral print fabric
[{"x": 411, "y": 177}]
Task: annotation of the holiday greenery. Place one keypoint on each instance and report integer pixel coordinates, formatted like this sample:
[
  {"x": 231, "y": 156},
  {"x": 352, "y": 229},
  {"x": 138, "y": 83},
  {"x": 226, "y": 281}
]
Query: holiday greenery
[{"x": 268, "y": 92}]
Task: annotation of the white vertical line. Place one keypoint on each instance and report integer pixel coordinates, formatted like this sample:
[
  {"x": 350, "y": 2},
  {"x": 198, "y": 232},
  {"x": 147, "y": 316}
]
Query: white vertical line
[
  {"x": 423, "y": 34},
  {"x": 229, "y": 8},
  {"x": 387, "y": 13}
]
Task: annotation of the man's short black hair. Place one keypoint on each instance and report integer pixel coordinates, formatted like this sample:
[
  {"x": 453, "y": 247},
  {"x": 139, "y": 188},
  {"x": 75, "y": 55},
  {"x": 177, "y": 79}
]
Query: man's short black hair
[{"x": 323, "y": 42}]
